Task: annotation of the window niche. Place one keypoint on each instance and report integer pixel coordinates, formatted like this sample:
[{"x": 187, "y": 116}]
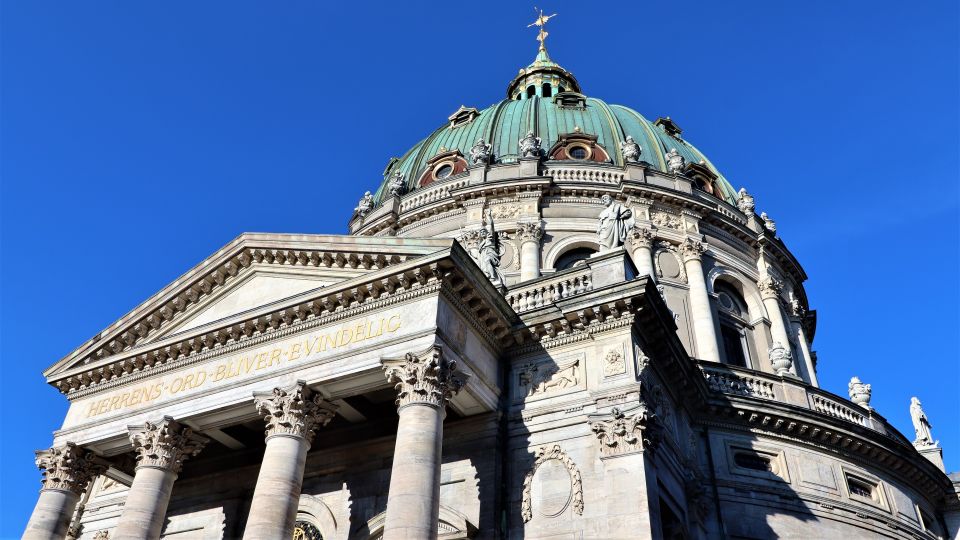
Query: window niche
[
  {"x": 864, "y": 489},
  {"x": 747, "y": 460},
  {"x": 734, "y": 326}
]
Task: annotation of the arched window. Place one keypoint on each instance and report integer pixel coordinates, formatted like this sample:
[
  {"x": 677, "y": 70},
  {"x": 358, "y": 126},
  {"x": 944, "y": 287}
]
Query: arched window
[
  {"x": 572, "y": 257},
  {"x": 547, "y": 90},
  {"x": 531, "y": 91},
  {"x": 733, "y": 325}
]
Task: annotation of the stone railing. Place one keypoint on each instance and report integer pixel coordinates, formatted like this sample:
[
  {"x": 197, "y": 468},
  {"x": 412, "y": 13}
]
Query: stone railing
[
  {"x": 547, "y": 290},
  {"x": 737, "y": 381},
  {"x": 726, "y": 381},
  {"x": 570, "y": 174},
  {"x": 432, "y": 193},
  {"x": 830, "y": 407}
]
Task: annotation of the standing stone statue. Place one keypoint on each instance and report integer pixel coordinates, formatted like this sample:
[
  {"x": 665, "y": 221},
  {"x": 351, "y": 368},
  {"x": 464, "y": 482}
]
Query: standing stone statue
[
  {"x": 481, "y": 152},
  {"x": 396, "y": 187},
  {"x": 745, "y": 202},
  {"x": 630, "y": 150},
  {"x": 859, "y": 392},
  {"x": 490, "y": 250},
  {"x": 530, "y": 146},
  {"x": 921, "y": 425},
  {"x": 675, "y": 161},
  {"x": 365, "y": 205},
  {"x": 615, "y": 221}
]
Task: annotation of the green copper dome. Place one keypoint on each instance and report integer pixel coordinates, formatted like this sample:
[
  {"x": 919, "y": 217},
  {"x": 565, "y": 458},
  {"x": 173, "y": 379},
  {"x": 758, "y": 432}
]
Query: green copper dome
[{"x": 537, "y": 104}]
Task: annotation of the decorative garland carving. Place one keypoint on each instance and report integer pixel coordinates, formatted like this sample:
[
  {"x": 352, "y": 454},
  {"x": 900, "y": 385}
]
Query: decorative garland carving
[
  {"x": 68, "y": 468},
  {"x": 426, "y": 378},
  {"x": 165, "y": 444},
  {"x": 542, "y": 455},
  {"x": 294, "y": 411}
]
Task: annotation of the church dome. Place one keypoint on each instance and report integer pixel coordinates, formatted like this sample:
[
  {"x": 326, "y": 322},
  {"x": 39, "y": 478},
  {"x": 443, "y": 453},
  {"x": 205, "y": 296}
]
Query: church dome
[{"x": 545, "y": 99}]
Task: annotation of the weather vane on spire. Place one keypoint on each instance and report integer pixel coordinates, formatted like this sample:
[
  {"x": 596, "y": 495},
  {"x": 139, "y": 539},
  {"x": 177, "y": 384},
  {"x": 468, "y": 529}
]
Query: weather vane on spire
[{"x": 542, "y": 23}]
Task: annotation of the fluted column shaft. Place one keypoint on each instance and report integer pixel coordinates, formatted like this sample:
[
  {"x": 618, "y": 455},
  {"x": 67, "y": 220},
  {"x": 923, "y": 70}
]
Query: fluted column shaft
[
  {"x": 703, "y": 324},
  {"x": 161, "y": 450},
  {"x": 292, "y": 416},
  {"x": 67, "y": 470},
  {"x": 424, "y": 383},
  {"x": 529, "y": 235}
]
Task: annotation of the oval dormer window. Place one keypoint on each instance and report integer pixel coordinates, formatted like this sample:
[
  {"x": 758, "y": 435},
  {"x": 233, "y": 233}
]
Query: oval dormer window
[
  {"x": 578, "y": 152},
  {"x": 444, "y": 171}
]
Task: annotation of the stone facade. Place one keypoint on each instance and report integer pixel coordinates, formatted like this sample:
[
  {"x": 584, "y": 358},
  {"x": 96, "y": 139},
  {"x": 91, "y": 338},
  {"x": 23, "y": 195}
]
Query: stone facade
[{"x": 378, "y": 385}]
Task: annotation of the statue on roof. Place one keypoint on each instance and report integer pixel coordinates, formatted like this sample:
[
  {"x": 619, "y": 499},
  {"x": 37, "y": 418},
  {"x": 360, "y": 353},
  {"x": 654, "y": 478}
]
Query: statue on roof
[
  {"x": 745, "y": 202},
  {"x": 396, "y": 186},
  {"x": 675, "y": 161},
  {"x": 630, "y": 150},
  {"x": 768, "y": 223},
  {"x": 365, "y": 205},
  {"x": 530, "y": 146},
  {"x": 615, "y": 222},
  {"x": 481, "y": 152},
  {"x": 490, "y": 251},
  {"x": 921, "y": 425}
]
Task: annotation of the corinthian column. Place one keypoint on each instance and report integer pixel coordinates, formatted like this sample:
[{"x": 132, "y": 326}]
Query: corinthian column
[
  {"x": 641, "y": 239},
  {"x": 161, "y": 450},
  {"x": 529, "y": 235},
  {"x": 703, "y": 327},
  {"x": 67, "y": 470},
  {"x": 424, "y": 383},
  {"x": 292, "y": 417},
  {"x": 770, "y": 295}
]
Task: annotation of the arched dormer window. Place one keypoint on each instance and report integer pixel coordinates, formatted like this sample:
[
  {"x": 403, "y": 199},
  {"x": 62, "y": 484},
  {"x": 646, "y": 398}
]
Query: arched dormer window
[
  {"x": 734, "y": 326},
  {"x": 547, "y": 90},
  {"x": 531, "y": 91},
  {"x": 573, "y": 257}
]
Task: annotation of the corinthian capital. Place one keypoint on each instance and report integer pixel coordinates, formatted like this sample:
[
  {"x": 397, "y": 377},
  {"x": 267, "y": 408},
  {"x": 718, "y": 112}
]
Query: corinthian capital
[
  {"x": 427, "y": 378},
  {"x": 769, "y": 287},
  {"x": 165, "y": 444},
  {"x": 68, "y": 467},
  {"x": 294, "y": 411},
  {"x": 529, "y": 231},
  {"x": 622, "y": 433},
  {"x": 692, "y": 249},
  {"x": 641, "y": 236}
]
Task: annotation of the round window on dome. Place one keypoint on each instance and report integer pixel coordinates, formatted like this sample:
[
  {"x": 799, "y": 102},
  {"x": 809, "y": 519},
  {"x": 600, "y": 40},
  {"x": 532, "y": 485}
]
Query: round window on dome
[
  {"x": 443, "y": 171},
  {"x": 578, "y": 152}
]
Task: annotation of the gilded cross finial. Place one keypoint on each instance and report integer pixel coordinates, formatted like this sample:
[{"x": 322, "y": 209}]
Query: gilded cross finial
[{"x": 542, "y": 23}]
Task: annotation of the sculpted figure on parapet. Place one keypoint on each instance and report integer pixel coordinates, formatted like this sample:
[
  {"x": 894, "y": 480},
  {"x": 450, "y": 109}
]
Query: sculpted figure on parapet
[
  {"x": 490, "y": 251},
  {"x": 675, "y": 161},
  {"x": 616, "y": 221},
  {"x": 921, "y": 425}
]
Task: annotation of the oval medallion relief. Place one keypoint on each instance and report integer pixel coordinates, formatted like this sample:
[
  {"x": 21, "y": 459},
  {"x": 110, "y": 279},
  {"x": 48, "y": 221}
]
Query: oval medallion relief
[
  {"x": 552, "y": 488},
  {"x": 669, "y": 265}
]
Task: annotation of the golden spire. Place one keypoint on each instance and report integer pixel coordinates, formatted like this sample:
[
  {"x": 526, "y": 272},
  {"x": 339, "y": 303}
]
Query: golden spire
[{"x": 542, "y": 23}]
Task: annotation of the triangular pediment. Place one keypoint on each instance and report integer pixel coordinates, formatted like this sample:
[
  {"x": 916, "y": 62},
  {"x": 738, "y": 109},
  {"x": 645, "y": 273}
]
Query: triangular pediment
[{"x": 252, "y": 271}]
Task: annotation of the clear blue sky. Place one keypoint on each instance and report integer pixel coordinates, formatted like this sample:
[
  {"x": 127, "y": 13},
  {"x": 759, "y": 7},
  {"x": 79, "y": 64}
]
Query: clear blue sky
[{"x": 139, "y": 137}]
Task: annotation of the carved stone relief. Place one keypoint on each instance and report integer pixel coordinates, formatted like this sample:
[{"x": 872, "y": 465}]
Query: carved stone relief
[
  {"x": 665, "y": 220},
  {"x": 554, "y": 481},
  {"x": 614, "y": 363},
  {"x": 668, "y": 263},
  {"x": 506, "y": 211},
  {"x": 536, "y": 380}
]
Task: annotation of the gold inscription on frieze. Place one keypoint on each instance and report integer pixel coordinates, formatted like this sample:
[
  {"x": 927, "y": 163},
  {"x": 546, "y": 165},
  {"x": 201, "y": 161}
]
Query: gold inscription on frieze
[{"x": 243, "y": 364}]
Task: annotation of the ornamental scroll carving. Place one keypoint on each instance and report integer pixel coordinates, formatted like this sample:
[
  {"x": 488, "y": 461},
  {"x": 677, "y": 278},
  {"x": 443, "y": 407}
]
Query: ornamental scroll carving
[
  {"x": 294, "y": 411},
  {"x": 628, "y": 432},
  {"x": 426, "y": 378},
  {"x": 165, "y": 444},
  {"x": 543, "y": 455},
  {"x": 68, "y": 468},
  {"x": 664, "y": 220}
]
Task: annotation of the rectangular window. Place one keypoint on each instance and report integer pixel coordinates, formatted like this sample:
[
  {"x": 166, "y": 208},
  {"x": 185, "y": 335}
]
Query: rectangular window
[{"x": 733, "y": 346}]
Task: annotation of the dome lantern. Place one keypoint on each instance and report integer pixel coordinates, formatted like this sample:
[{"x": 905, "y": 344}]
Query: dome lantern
[{"x": 544, "y": 77}]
